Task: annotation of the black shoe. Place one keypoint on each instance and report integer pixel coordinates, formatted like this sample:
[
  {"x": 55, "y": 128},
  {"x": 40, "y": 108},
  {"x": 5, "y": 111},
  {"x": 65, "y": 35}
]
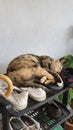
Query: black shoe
[
  {"x": 58, "y": 85},
  {"x": 53, "y": 110}
]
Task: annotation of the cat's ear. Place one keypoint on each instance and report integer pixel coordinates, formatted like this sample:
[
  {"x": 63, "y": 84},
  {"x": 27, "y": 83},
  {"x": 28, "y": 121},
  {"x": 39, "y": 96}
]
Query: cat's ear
[{"x": 63, "y": 60}]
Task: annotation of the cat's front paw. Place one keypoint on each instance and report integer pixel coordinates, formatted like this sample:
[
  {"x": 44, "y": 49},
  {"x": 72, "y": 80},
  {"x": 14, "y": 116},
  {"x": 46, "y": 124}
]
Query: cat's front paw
[
  {"x": 43, "y": 79},
  {"x": 46, "y": 81}
]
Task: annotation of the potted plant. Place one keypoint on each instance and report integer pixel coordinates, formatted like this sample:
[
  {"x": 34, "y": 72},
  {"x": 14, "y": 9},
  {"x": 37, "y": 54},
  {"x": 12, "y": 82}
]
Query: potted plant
[
  {"x": 69, "y": 124},
  {"x": 67, "y": 76}
]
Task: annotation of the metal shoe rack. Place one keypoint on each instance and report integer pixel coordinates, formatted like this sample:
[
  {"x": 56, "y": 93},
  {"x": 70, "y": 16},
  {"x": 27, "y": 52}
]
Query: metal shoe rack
[{"x": 7, "y": 109}]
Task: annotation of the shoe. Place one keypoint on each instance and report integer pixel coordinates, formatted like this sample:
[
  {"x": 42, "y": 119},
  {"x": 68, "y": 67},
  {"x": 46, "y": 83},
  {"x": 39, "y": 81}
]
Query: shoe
[
  {"x": 30, "y": 122},
  {"x": 37, "y": 94},
  {"x": 58, "y": 85},
  {"x": 19, "y": 100},
  {"x": 24, "y": 122},
  {"x": 16, "y": 123},
  {"x": 7, "y": 80},
  {"x": 52, "y": 109},
  {"x": 67, "y": 75}
]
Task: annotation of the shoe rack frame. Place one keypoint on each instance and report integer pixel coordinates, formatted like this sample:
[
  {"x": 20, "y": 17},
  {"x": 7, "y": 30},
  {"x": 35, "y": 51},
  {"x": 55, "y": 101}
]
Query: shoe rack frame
[{"x": 7, "y": 109}]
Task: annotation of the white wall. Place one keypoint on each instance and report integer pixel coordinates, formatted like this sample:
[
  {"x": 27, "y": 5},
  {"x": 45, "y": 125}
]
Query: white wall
[{"x": 35, "y": 26}]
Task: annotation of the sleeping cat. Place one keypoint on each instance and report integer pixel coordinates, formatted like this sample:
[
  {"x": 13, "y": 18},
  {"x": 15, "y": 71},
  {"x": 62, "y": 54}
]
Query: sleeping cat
[{"x": 33, "y": 70}]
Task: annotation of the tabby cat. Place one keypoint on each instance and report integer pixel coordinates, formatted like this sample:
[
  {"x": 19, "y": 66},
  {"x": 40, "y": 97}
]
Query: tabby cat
[{"x": 33, "y": 70}]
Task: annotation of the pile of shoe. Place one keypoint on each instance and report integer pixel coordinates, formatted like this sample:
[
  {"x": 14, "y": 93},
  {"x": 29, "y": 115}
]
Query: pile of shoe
[
  {"x": 19, "y": 97},
  {"x": 24, "y": 122},
  {"x": 48, "y": 114}
]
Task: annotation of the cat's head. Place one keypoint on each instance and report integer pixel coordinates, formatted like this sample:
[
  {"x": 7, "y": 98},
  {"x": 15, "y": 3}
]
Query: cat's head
[
  {"x": 50, "y": 63},
  {"x": 56, "y": 66}
]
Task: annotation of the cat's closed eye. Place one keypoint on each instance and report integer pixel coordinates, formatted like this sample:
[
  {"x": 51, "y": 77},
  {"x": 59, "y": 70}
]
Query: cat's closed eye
[{"x": 49, "y": 65}]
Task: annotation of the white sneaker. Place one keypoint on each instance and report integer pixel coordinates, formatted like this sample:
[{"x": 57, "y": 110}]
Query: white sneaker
[
  {"x": 7, "y": 80},
  {"x": 18, "y": 100},
  {"x": 16, "y": 123},
  {"x": 37, "y": 94}
]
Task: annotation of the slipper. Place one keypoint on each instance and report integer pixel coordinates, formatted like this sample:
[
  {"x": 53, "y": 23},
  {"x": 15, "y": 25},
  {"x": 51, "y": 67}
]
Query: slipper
[
  {"x": 31, "y": 123},
  {"x": 16, "y": 123},
  {"x": 19, "y": 100},
  {"x": 37, "y": 94}
]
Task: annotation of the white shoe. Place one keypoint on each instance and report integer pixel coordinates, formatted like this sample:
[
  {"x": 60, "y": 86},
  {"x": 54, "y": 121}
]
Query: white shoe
[
  {"x": 37, "y": 94},
  {"x": 7, "y": 80},
  {"x": 16, "y": 123},
  {"x": 18, "y": 100}
]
